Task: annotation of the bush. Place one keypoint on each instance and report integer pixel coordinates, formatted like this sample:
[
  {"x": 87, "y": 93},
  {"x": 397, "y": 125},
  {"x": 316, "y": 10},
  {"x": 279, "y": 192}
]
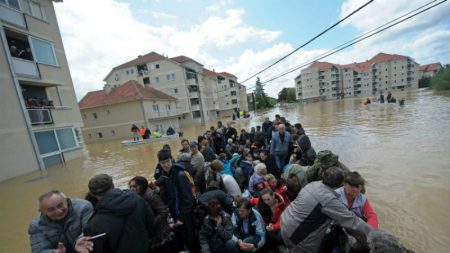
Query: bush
[{"x": 441, "y": 81}]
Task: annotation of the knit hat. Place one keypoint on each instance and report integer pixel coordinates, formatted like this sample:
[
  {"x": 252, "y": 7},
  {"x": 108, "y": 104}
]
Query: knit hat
[{"x": 100, "y": 184}]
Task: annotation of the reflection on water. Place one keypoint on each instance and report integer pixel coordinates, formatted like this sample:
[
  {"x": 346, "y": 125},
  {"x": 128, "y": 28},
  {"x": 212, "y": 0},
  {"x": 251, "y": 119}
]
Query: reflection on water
[{"x": 401, "y": 151}]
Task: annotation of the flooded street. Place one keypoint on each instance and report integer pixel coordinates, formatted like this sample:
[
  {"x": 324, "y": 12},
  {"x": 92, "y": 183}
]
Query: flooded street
[{"x": 403, "y": 153}]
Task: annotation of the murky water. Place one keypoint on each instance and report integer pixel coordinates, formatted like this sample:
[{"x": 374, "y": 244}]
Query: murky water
[{"x": 403, "y": 152}]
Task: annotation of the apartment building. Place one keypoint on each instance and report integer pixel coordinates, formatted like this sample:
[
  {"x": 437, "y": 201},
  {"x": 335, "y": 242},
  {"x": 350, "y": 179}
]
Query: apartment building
[
  {"x": 41, "y": 119},
  {"x": 201, "y": 94},
  {"x": 382, "y": 73},
  {"x": 109, "y": 113},
  {"x": 429, "y": 70}
]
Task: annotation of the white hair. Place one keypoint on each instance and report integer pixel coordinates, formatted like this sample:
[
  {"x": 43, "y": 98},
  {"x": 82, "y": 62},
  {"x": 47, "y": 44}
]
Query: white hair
[{"x": 259, "y": 168}]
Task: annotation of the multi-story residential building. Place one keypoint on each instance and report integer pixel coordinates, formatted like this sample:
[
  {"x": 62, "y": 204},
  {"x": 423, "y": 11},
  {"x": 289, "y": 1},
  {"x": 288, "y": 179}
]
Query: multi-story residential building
[
  {"x": 44, "y": 130},
  {"x": 110, "y": 113},
  {"x": 383, "y": 72},
  {"x": 200, "y": 94},
  {"x": 429, "y": 70}
]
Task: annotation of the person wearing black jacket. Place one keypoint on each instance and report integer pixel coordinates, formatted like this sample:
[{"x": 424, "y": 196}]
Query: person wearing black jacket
[
  {"x": 231, "y": 132},
  {"x": 124, "y": 216}
]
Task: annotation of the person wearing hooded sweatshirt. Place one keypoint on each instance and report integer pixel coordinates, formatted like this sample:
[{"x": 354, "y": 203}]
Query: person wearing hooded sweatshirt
[
  {"x": 325, "y": 159},
  {"x": 124, "y": 216},
  {"x": 177, "y": 194}
]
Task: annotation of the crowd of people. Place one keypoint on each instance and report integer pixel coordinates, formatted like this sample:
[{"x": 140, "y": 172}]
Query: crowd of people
[{"x": 266, "y": 190}]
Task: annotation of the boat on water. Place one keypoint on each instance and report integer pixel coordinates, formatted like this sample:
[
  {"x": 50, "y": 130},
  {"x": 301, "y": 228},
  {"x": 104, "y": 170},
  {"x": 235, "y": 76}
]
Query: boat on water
[
  {"x": 150, "y": 140},
  {"x": 243, "y": 119}
]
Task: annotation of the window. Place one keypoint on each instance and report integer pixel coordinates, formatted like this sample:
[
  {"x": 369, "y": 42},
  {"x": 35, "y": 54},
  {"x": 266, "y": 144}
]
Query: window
[
  {"x": 233, "y": 93},
  {"x": 127, "y": 72},
  {"x": 155, "y": 108},
  {"x": 175, "y": 90},
  {"x": 167, "y": 107},
  {"x": 157, "y": 79},
  {"x": 234, "y": 101},
  {"x": 132, "y": 71},
  {"x": 156, "y": 66},
  {"x": 66, "y": 138},
  {"x": 34, "y": 9},
  {"x": 196, "y": 114},
  {"x": 46, "y": 141},
  {"x": 43, "y": 51},
  {"x": 113, "y": 133},
  {"x": 94, "y": 115},
  {"x": 146, "y": 80},
  {"x": 172, "y": 76},
  {"x": 11, "y": 3},
  {"x": 100, "y": 135},
  {"x": 90, "y": 136}
]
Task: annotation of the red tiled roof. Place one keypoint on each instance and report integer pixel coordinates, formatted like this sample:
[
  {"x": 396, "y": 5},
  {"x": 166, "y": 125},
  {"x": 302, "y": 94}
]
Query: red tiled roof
[
  {"x": 322, "y": 65},
  {"x": 226, "y": 74},
  {"x": 150, "y": 57},
  {"x": 430, "y": 67},
  {"x": 129, "y": 91},
  {"x": 387, "y": 57},
  {"x": 182, "y": 58},
  {"x": 209, "y": 73}
]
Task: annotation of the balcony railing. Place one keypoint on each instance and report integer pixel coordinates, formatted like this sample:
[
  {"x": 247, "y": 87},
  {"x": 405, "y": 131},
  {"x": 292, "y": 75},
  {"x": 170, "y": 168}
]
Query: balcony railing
[
  {"x": 40, "y": 116},
  {"x": 12, "y": 16},
  {"x": 25, "y": 67}
]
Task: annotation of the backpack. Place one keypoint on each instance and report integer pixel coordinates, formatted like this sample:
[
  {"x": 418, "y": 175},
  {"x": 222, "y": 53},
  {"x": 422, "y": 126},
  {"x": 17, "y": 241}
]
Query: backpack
[{"x": 191, "y": 182}]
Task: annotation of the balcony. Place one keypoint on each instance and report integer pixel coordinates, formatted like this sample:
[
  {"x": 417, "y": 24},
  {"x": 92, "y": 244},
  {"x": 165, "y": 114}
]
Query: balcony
[
  {"x": 25, "y": 68},
  {"x": 40, "y": 116},
  {"x": 195, "y": 107},
  {"x": 12, "y": 16},
  {"x": 191, "y": 82},
  {"x": 193, "y": 94}
]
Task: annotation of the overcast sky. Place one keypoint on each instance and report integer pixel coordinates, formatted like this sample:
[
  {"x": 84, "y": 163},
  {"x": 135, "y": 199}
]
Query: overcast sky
[{"x": 240, "y": 37}]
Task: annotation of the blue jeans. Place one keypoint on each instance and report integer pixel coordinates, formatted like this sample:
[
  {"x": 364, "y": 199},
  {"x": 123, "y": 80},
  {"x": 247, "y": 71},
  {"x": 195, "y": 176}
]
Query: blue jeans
[
  {"x": 233, "y": 247},
  {"x": 280, "y": 161}
]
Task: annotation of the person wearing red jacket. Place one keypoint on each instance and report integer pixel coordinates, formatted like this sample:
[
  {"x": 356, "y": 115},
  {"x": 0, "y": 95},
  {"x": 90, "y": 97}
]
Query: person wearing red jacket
[
  {"x": 271, "y": 207},
  {"x": 355, "y": 201}
]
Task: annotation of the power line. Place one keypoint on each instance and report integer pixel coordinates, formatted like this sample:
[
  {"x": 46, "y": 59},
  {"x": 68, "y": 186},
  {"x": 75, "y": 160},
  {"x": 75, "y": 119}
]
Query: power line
[
  {"x": 354, "y": 39},
  {"x": 309, "y": 41},
  {"x": 357, "y": 40}
]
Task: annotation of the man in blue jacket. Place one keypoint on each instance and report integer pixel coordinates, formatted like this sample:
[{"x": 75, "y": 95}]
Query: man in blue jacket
[{"x": 279, "y": 146}]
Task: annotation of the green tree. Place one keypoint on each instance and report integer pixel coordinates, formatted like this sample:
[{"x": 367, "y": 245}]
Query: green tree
[
  {"x": 261, "y": 98},
  {"x": 287, "y": 95},
  {"x": 441, "y": 81}
]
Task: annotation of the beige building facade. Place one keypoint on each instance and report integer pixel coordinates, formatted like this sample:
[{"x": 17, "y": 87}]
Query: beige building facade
[
  {"x": 201, "y": 94},
  {"x": 109, "y": 114},
  {"x": 44, "y": 130},
  {"x": 382, "y": 73}
]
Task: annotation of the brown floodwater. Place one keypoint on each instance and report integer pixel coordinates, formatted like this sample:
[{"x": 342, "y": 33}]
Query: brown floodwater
[{"x": 403, "y": 152}]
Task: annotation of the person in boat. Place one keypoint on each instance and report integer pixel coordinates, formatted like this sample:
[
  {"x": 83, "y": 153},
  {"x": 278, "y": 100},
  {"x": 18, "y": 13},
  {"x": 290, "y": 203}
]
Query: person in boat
[
  {"x": 147, "y": 133},
  {"x": 125, "y": 217},
  {"x": 170, "y": 131},
  {"x": 390, "y": 98},
  {"x": 381, "y": 99},
  {"x": 142, "y": 132},
  {"x": 306, "y": 220},
  {"x": 231, "y": 132},
  {"x": 62, "y": 218},
  {"x": 216, "y": 229},
  {"x": 351, "y": 196},
  {"x": 135, "y": 131},
  {"x": 355, "y": 201},
  {"x": 197, "y": 159},
  {"x": 156, "y": 134},
  {"x": 366, "y": 101}
]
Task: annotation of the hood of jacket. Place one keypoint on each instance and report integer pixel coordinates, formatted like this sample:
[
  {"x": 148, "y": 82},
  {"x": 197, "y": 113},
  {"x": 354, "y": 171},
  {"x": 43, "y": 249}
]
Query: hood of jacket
[
  {"x": 117, "y": 202},
  {"x": 326, "y": 159}
]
